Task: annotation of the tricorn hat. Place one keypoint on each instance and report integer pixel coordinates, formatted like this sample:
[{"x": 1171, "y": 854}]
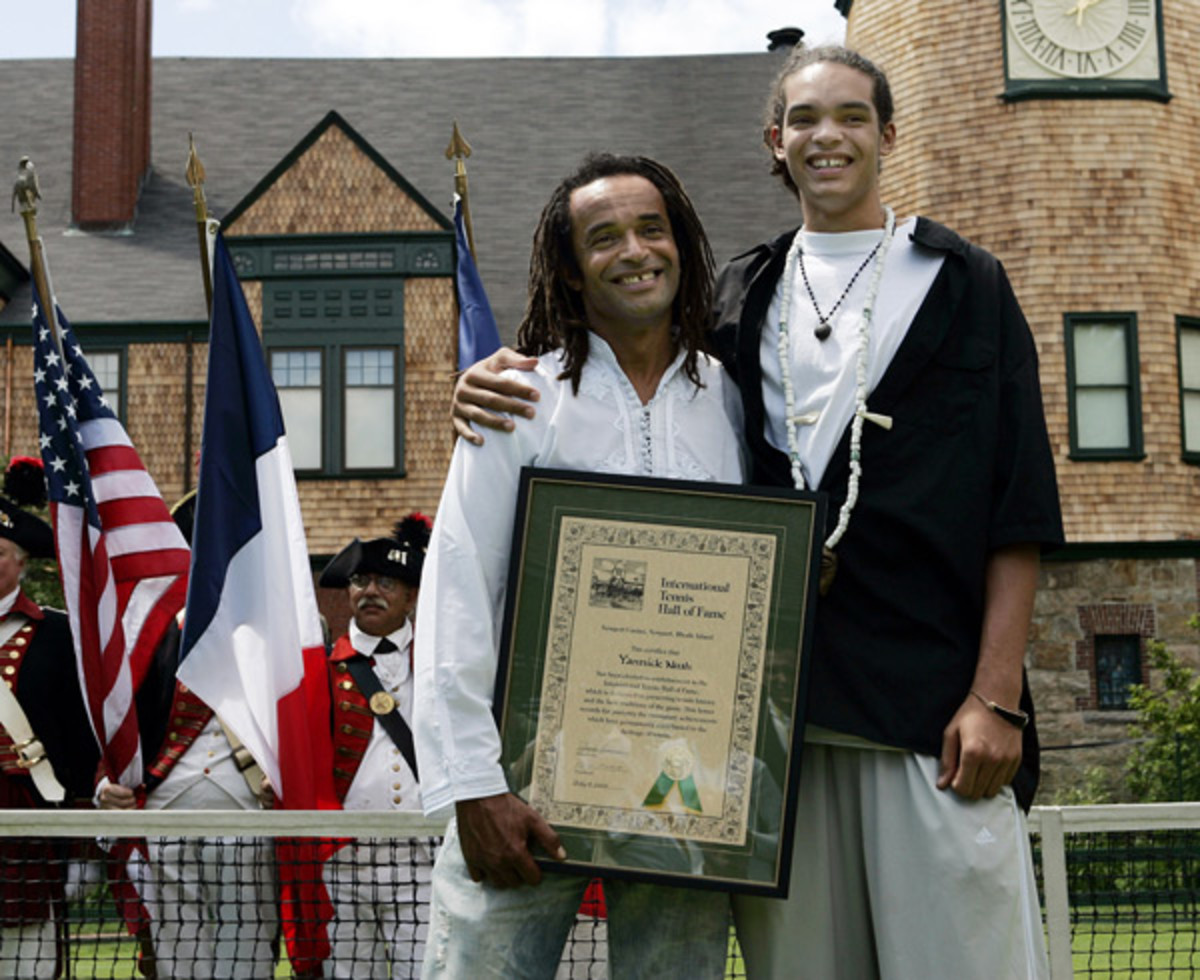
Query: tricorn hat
[
  {"x": 400, "y": 556},
  {"x": 25, "y": 486}
]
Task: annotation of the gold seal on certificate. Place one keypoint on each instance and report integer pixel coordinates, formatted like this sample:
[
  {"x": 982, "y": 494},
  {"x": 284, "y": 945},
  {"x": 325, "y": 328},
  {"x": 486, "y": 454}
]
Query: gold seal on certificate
[
  {"x": 676, "y": 771},
  {"x": 677, "y": 761},
  {"x": 382, "y": 703}
]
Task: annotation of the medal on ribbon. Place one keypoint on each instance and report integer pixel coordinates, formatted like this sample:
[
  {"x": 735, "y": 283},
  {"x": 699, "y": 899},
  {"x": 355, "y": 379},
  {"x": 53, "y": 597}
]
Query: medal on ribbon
[{"x": 677, "y": 764}]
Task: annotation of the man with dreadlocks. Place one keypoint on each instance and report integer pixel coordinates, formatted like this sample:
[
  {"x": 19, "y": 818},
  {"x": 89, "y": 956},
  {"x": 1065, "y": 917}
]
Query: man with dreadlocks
[{"x": 620, "y": 287}]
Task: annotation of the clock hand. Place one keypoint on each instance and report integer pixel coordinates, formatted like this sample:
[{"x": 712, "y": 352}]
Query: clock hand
[{"x": 1080, "y": 8}]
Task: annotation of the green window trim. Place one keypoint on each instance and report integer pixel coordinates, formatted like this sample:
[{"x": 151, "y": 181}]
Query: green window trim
[
  {"x": 1188, "y": 352},
  {"x": 333, "y": 318},
  {"x": 1127, "y": 381}
]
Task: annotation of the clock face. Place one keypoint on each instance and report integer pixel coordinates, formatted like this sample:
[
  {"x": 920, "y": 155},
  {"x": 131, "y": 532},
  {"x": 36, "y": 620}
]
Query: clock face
[{"x": 1082, "y": 39}]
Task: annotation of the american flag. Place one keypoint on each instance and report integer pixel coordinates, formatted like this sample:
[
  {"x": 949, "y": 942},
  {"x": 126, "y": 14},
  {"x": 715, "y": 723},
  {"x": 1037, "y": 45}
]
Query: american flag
[{"x": 123, "y": 561}]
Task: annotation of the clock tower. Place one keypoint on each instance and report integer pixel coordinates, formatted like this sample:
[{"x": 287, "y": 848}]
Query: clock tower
[{"x": 1044, "y": 131}]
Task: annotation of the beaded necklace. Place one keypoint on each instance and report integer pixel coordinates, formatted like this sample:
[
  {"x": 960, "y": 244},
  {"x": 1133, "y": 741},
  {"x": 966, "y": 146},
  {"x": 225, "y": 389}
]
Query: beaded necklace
[
  {"x": 828, "y": 559},
  {"x": 824, "y": 328}
]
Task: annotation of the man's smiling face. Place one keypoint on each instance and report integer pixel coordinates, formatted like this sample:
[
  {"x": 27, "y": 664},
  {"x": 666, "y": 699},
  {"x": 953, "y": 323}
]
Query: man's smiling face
[
  {"x": 832, "y": 145},
  {"x": 626, "y": 255}
]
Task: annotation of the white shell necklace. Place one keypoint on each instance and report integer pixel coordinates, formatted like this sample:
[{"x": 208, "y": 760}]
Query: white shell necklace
[{"x": 791, "y": 420}]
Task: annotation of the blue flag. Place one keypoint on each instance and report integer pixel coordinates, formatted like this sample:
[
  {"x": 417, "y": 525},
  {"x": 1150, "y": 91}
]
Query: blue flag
[{"x": 477, "y": 333}]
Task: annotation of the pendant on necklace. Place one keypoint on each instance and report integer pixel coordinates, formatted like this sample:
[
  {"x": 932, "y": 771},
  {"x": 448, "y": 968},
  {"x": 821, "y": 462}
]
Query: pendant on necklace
[
  {"x": 828, "y": 570},
  {"x": 823, "y": 330}
]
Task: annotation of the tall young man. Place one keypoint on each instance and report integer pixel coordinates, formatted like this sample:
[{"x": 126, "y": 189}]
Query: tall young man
[
  {"x": 887, "y": 363},
  {"x": 619, "y": 299}
]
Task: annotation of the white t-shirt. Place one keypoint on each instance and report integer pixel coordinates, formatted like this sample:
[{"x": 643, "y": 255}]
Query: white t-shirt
[{"x": 824, "y": 371}]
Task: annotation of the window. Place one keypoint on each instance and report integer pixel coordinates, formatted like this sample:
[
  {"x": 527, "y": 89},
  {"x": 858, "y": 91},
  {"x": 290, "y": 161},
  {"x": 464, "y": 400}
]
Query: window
[
  {"x": 336, "y": 352},
  {"x": 1102, "y": 379},
  {"x": 370, "y": 408},
  {"x": 1189, "y": 388},
  {"x": 297, "y": 377},
  {"x": 106, "y": 366},
  {"x": 1112, "y": 637},
  {"x": 1118, "y": 665}
]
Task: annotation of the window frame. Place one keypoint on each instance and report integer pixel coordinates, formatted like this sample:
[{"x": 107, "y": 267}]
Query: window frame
[
  {"x": 1183, "y": 323},
  {"x": 1135, "y": 449},
  {"x": 120, "y": 409},
  {"x": 397, "y": 406},
  {"x": 1138, "y": 644},
  {"x": 303, "y": 349},
  {"x": 333, "y": 337}
]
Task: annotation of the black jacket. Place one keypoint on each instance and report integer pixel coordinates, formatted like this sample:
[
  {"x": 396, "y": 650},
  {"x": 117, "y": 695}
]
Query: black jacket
[{"x": 965, "y": 470}]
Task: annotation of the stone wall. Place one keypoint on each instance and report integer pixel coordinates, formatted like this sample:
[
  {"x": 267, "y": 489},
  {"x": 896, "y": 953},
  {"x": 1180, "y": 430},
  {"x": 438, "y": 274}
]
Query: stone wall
[{"x": 1149, "y": 597}]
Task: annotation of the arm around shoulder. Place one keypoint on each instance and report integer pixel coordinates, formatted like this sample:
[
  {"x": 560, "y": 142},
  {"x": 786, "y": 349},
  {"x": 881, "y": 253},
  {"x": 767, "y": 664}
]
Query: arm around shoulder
[{"x": 482, "y": 392}]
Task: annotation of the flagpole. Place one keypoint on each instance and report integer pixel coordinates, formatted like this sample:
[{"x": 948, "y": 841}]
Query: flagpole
[
  {"x": 195, "y": 178},
  {"x": 26, "y": 191},
  {"x": 8, "y": 383},
  {"x": 458, "y": 151}
]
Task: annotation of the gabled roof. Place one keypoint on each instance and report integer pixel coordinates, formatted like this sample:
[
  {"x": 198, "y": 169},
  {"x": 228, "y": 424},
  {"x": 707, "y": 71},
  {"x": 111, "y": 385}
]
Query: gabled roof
[
  {"x": 332, "y": 120},
  {"x": 12, "y": 273},
  {"x": 528, "y": 120}
]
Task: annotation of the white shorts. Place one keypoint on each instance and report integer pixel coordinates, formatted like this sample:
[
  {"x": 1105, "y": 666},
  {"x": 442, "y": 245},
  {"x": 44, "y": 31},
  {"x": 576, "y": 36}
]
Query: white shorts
[{"x": 894, "y": 878}]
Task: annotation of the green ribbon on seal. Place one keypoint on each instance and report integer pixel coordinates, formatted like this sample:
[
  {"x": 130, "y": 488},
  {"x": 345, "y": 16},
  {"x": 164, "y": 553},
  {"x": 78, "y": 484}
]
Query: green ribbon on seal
[{"x": 662, "y": 788}]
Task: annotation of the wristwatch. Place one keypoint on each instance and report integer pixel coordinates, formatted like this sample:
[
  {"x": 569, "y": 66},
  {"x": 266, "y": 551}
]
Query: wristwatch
[{"x": 1014, "y": 716}]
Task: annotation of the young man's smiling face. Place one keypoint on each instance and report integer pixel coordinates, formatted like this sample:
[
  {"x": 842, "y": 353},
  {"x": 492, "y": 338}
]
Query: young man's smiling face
[
  {"x": 832, "y": 145},
  {"x": 626, "y": 255}
]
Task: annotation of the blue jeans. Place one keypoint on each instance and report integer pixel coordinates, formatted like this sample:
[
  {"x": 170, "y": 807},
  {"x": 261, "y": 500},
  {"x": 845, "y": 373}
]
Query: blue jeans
[{"x": 518, "y": 933}]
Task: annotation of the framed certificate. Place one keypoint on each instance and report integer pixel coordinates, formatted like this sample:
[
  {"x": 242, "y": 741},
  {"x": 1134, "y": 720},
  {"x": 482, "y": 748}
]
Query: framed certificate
[{"x": 653, "y": 673}]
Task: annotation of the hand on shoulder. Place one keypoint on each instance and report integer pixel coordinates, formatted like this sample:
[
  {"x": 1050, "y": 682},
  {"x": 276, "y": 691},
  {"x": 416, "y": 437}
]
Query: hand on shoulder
[{"x": 481, "y": 392}]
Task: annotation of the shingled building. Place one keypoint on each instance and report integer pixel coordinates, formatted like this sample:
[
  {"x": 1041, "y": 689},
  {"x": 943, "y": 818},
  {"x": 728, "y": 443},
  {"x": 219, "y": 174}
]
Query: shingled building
[{"x": 1064, "y": 158}]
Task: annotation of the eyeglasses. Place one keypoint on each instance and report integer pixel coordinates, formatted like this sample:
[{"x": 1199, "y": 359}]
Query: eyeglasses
[{"x": 384, "y": 583}]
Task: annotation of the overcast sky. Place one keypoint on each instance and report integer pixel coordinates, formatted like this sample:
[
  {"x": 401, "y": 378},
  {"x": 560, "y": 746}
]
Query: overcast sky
[{"x": 435, "y": 28}]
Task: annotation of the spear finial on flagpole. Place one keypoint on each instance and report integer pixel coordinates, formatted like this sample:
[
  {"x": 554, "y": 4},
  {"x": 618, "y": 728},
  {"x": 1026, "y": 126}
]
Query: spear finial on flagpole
[
  {"x": 27, "y": 193},
  {"x": 195, "y": 179},
  {"x": 458, "y": 151}
]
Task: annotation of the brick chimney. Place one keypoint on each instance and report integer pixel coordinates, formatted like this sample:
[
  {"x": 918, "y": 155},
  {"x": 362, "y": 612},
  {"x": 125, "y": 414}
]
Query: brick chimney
[{"x": 112, "y": 111}]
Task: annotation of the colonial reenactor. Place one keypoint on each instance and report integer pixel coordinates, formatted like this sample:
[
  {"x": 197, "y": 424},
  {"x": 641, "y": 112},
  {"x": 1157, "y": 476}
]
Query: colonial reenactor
[
  {"x": 47, "y": 751},
  {"x": 211, "y": 901},
  {"x": 379, "y": 887}
]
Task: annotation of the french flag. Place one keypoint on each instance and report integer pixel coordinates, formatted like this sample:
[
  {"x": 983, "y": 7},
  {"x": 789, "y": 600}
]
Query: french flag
[{"x": 252, "y": 646}]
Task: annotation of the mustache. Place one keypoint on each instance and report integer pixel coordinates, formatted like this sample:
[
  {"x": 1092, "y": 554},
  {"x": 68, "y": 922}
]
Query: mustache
[{"x": 368, "y": 601}]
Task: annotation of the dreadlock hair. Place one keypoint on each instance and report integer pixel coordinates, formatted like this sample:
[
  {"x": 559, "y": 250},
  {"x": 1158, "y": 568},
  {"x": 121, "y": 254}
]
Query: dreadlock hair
[
  {"x": 554, "y": 315},
  {"x": 800, "y": 58}
]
